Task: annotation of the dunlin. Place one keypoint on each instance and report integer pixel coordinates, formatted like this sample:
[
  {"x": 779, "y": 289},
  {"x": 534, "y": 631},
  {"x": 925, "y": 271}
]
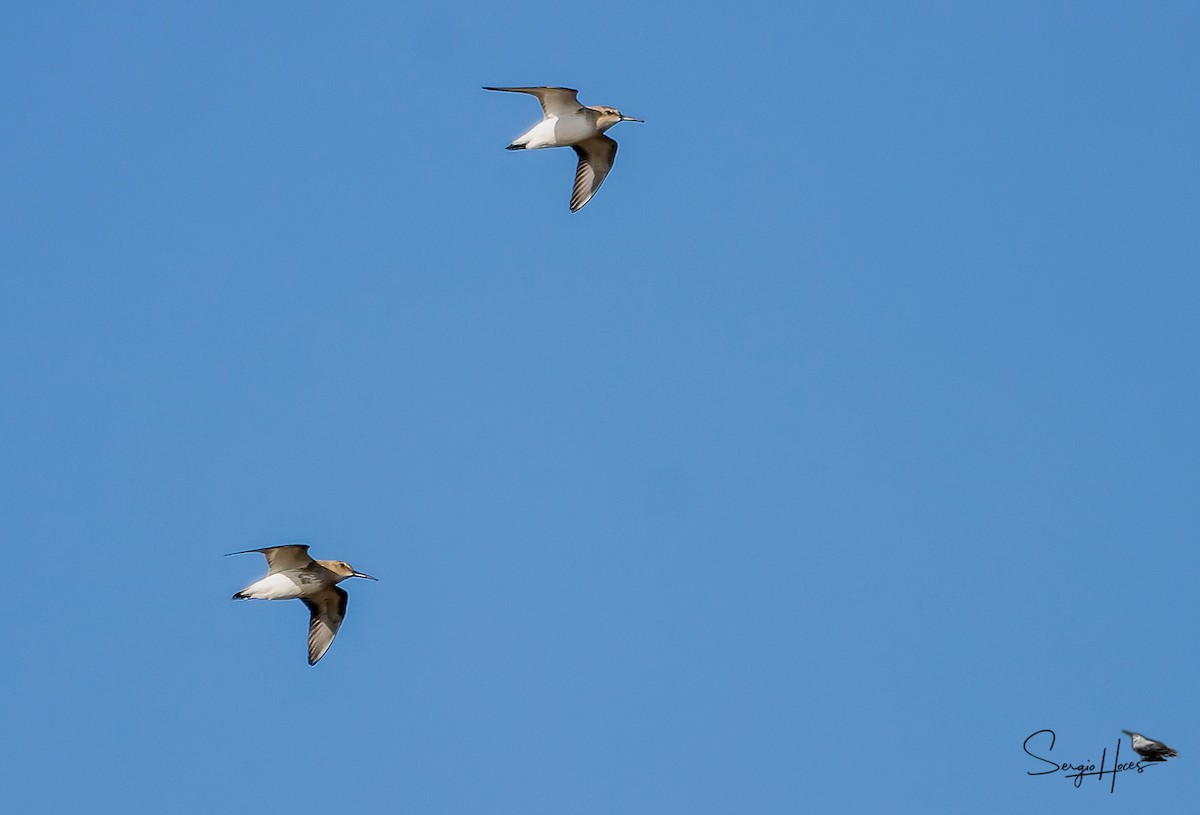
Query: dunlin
[
  {"x": 292, "y": 574},
  {"x": 1149, "y": 749},
  {"x": 566, "y": 123}
]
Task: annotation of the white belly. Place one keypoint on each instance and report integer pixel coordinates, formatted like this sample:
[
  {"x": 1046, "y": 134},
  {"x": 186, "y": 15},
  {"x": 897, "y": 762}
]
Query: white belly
[
  {"x": 558, "y": 132},
  {"x": 274, "y": 587}
]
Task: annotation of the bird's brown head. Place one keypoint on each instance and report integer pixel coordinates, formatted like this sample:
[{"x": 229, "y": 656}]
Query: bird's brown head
[
  {"x": 344, "y": 570},
  {"x": 610, "y": 116}
]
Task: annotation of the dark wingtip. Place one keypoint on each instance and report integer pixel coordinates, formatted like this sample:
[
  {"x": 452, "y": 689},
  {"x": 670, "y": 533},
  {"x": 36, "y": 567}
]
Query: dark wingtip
[{"x": 515, "y": 147}]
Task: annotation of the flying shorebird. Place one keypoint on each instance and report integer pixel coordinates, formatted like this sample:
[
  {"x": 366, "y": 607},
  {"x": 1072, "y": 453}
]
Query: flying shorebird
[
  {"x": 566, "y": 123},
  {"x": 292, "y": 574},
  {"x": 1149, "y": 749}
]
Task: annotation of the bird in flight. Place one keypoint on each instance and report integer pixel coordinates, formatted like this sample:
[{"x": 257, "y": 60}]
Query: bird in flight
[
  {"x": 292, "y": 574},
  {"x": 566, "y": 123},
  {"x": 1149, "y": 749}
]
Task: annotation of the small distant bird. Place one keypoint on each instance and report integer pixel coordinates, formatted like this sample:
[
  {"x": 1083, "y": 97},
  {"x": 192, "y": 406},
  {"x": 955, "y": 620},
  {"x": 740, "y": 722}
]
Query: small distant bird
[
  {"x": 1149, "y": 749},
  {"x": 566, "y": 123},
  {"x": 292, "y": 574}
]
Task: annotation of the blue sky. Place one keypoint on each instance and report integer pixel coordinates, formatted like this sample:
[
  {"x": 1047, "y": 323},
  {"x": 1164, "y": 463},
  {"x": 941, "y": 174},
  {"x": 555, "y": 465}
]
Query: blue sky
[{"x": 846, "y": 438}]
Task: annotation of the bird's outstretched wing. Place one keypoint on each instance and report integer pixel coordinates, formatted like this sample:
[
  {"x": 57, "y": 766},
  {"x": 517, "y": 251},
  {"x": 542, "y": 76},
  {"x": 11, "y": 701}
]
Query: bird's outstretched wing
[
  {"x": 282, "y": 558},
  {"x": 328, "y": 609},
  {"x": 596, "y": 156},
  {"x": 555, "y": 101}
]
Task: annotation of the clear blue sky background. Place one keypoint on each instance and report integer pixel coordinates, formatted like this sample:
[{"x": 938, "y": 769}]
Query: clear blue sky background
[{"x": 846, "y": 438}]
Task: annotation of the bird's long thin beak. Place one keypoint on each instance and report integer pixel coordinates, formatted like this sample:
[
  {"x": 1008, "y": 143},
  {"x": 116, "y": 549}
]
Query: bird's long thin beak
[
  {"x": 367, "y": 576},
  {"x": 1127, "y": 733},
  {"x": 631, "y": 119}
]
